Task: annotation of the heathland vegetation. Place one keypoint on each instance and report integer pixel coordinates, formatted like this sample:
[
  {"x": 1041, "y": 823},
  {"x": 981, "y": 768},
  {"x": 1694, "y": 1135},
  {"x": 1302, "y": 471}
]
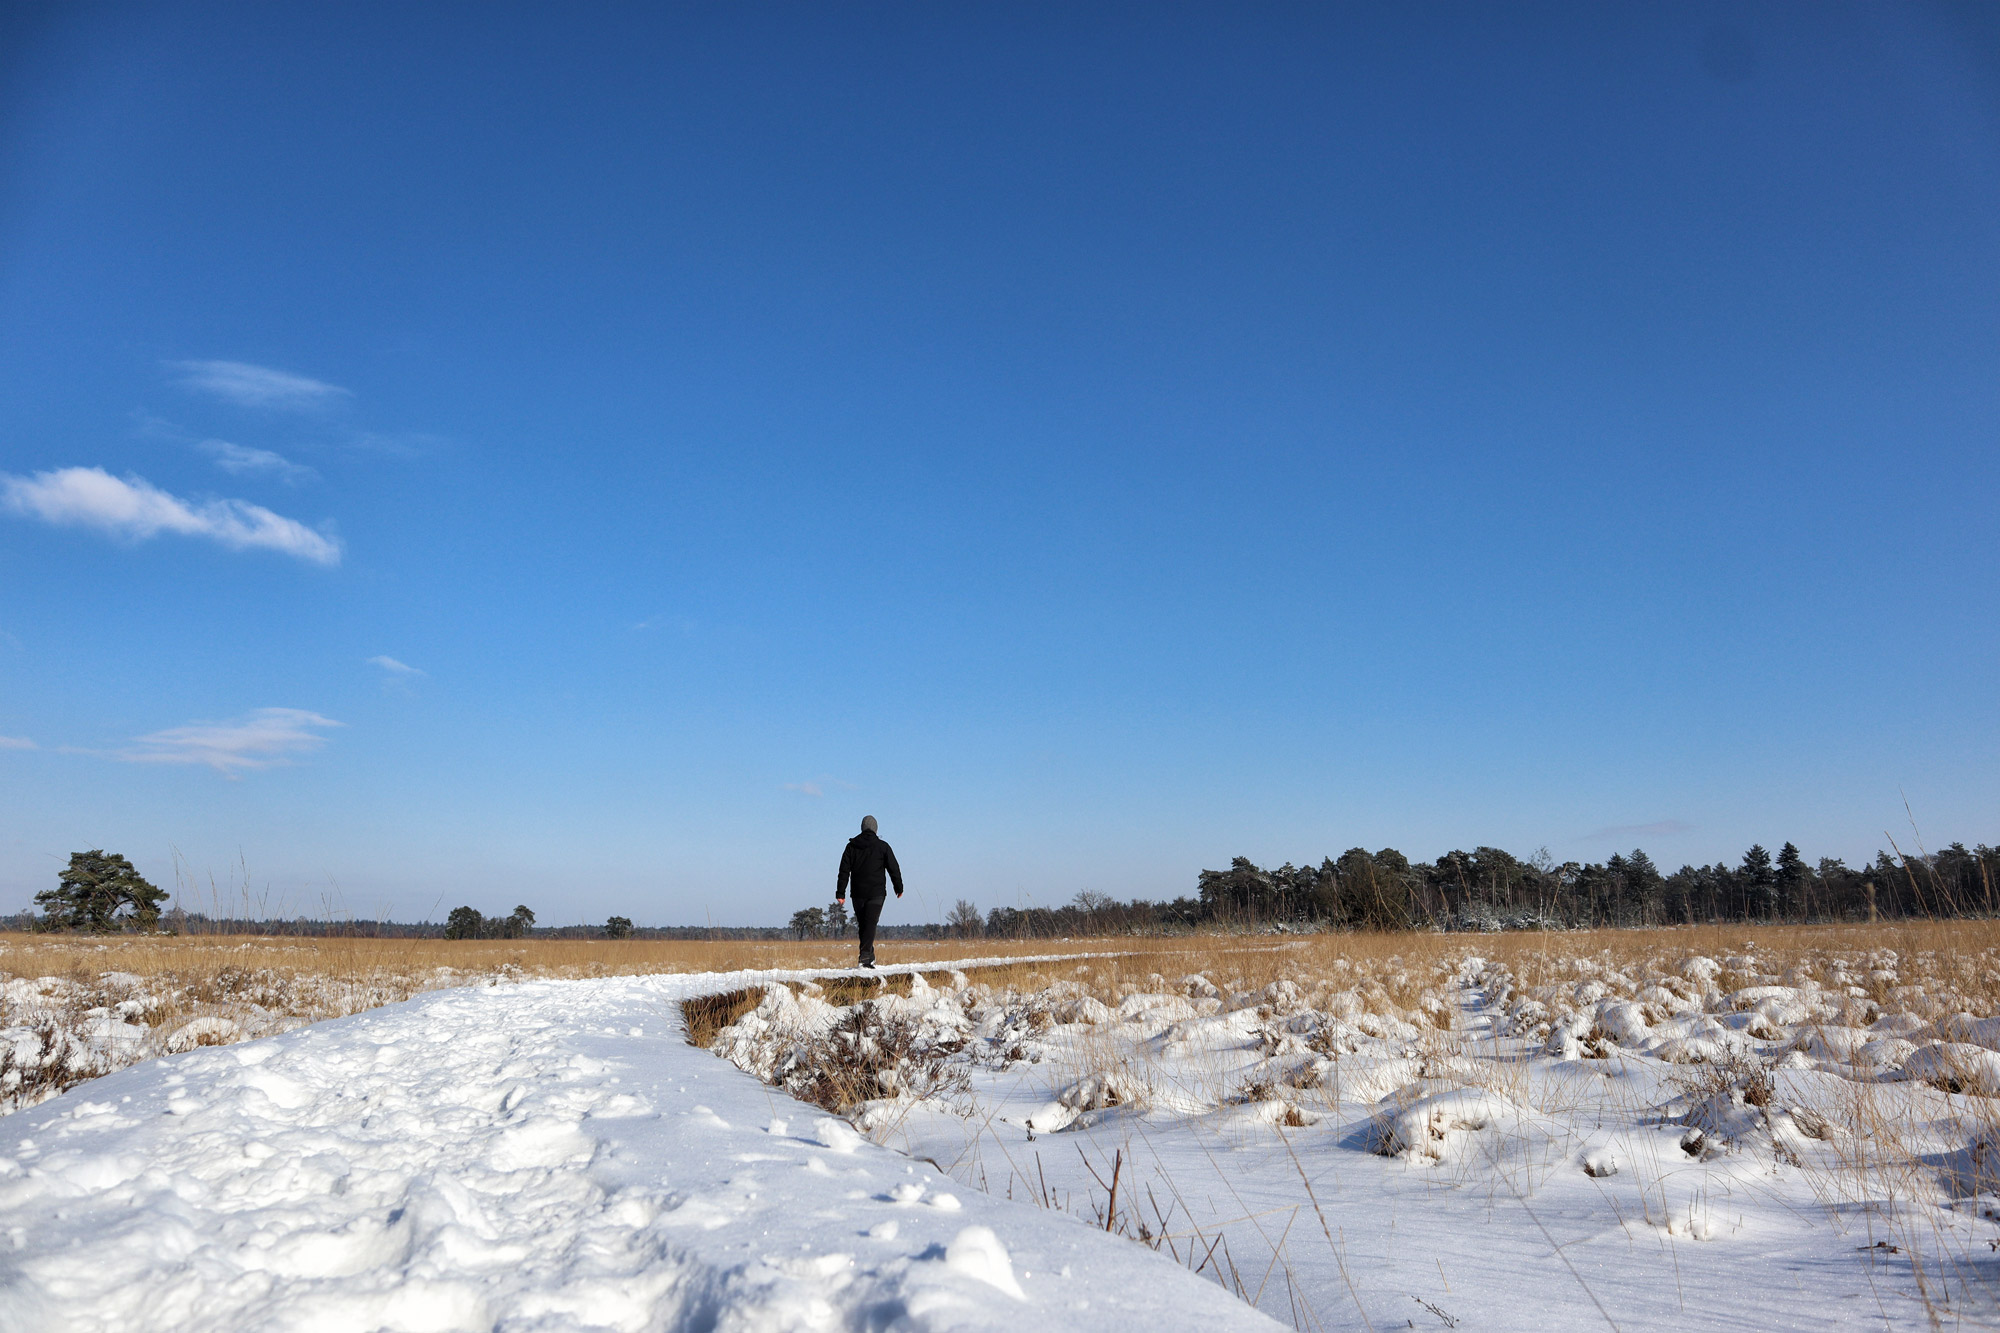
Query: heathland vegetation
[{"x": 1663, "y": 1122}]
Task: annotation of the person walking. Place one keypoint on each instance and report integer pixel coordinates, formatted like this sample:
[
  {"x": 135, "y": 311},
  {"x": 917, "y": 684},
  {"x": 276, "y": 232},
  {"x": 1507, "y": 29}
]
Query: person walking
[{"x": 864, "y": 862}]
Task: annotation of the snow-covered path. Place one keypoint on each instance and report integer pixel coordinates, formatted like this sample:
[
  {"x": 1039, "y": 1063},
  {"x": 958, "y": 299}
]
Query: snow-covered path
[{"x": 544, "y": 1156}]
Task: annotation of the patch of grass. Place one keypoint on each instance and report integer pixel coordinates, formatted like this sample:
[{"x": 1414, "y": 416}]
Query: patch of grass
[{"x": 707, "y": 1015}]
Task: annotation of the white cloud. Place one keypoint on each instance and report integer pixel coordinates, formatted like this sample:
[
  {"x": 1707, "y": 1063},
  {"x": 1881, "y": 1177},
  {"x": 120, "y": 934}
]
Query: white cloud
[
  {"x": 17, "y": 743},
  {"x": 246, "y": 385},
  {"x": 242, "y": 460},
  {"x": 135, "y": 508},
  {"x": 397, "y": 444},
  {"x": 806, "y": 788},
  {"x": 263, "y": 739},
  {"x": 393, "y": 667}
]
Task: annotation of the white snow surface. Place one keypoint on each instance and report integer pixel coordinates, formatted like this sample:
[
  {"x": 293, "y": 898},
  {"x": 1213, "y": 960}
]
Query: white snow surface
[
  {"x": 546, "y": 1156},
  {"x": 1587, "y": 1156}
]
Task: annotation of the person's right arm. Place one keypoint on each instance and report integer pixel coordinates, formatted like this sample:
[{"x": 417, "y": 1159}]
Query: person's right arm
[{"x": 846, "y": 869}]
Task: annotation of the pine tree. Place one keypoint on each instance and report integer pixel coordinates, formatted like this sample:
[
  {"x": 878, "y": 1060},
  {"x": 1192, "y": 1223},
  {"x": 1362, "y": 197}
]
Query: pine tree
[
  {"x": 1793, "y": 879},
  {"x": 1647, "y": 887},
  {"x": 464, "y": 923},
  {"x": 1326, "y": 891},
  {"x": 1760, "y": 882},
  {"x": 95, "y": 892},
  {"x": 1374, "y": 890},
  {"x": 618, "y": 928},
  {"x": 808, "y": 922},
  {"x": 1619, "y": 909}
]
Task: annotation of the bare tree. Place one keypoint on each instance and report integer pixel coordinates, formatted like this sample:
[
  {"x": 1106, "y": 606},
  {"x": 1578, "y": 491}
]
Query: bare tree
[{"x": 964, "y": 921}]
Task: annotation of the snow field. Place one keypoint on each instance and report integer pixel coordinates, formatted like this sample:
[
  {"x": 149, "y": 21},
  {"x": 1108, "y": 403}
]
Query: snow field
[
  {"x": 59, "y": 1031},
  {"x": 73, "y": 1008},
  {"x": 1653, "y": 1137},
  {"x": 551, "y": 1155}
]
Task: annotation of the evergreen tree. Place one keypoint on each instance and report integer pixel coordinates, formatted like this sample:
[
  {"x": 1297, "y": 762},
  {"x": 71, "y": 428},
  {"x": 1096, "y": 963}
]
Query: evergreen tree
[
  {"x": 100, "y": 892},
  {"x": 1647, "y": 887},
  {"x": 836, "y": 920},
  {"x": 1591, "y": 893},
  {"x": 808, "y": 922},
  {"x": 1326, "y": 891},
  {"x": 1396, "y": 883},
  {"x": 1618, "y": 906},
  {"x": 1374, "y": 890},
  {"x": 464, "y": 923},
  {"x": 1241, "y": 892},
  {"x": 618, "y": 928},
  {"x": 518, "y": 924},
  {"x": 1793, "y": 880},
  {"x": 1683, "y": 894},
  {"x": 1760, "y": 882}
]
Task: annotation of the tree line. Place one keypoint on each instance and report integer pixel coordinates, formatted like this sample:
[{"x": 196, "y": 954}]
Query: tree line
[
  {"x": 1483, "y": 889},
  {"x": 1490, "y": 889}
]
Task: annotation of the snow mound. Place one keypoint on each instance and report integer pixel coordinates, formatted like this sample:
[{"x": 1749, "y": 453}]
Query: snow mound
[
  {"x": 1092, "y": 1092},
  {"x": 1957, "y": 1067},
  {"x": 978, "y": 1253},
  {"x": 209, "y": 1031},
  {"x": 1425, "y": 1129}
]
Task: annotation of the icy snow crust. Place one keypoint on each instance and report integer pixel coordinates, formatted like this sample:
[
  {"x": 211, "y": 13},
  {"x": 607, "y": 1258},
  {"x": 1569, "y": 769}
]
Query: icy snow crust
[
  {"x": 1689, "y": 1144},
  {"x": 546, "y": 1156}
]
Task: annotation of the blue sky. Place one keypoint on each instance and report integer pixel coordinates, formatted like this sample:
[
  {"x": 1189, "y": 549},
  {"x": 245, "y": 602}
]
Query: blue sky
[{"x": 591, "y": 458}]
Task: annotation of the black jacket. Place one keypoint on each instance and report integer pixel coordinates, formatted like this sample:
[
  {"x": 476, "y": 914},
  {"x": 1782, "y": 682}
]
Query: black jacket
[{"x": 866, "y": 857}]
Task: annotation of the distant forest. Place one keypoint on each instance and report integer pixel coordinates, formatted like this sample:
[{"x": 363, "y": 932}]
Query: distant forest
[
  {"x": 1481, "y": 890},
  {"x": 1489, "y": 889}
]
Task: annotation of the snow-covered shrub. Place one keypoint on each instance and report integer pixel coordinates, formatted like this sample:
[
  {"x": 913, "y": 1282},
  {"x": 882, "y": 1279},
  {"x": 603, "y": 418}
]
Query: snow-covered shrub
[{"x": 842, "y": 1058}]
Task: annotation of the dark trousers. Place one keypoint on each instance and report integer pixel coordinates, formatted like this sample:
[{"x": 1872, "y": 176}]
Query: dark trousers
[{"x": 868, "y": 911}]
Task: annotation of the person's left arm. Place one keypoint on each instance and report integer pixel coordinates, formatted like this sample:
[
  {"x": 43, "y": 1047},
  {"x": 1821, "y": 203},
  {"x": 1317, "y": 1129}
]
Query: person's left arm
[{"x": 895, "y": 871}]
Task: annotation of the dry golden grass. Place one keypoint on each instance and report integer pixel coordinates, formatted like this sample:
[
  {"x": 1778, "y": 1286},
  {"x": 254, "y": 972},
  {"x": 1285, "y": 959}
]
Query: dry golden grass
[
  {"x": 1950, "y": 959},
  {"x": 1953, "y": 962},
  {"x": 191, "y": 957}
]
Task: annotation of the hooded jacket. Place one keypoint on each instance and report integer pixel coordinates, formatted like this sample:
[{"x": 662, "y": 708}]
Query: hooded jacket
[{"x": 864, "y": 862}]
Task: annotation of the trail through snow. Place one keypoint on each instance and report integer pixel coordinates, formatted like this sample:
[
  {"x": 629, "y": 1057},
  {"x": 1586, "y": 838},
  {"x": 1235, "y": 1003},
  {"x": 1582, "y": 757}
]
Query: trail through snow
[{"x": 546, "y": 1156}]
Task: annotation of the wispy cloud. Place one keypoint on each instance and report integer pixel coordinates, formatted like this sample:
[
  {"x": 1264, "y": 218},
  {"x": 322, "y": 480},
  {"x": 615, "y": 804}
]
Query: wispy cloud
[
  {"x": 396, "y": 444},
  {"x": 393, "y": 667},
  {"x": 136, "y": 509},
  {"x": 398, "y": 678},
  {"x": 17, "y": 743},
  {"x": 1664, "y": 828},
  {"x": 265, "y": 738},
  {"x": 246, "y": 385},
  {"x": 806, "y": 788},
  {"x": 241, "y": 460}
]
